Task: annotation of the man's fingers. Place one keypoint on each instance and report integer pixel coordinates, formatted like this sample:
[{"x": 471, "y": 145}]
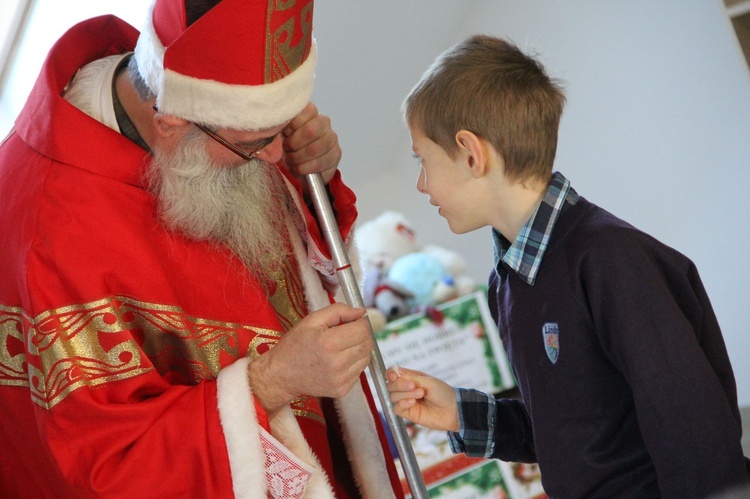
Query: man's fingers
[
  {"x": 305, "y": 129},
  {"x": 307, "y": 113},
  {"x": 323, "y": 149},
  {"x": 337, "y": 314}
]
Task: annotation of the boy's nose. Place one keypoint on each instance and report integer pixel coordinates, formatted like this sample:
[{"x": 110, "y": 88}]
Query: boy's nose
[{"x": 422, "y": 181}]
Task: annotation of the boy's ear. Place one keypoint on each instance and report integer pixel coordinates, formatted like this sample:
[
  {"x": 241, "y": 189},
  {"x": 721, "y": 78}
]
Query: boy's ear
[
  {"x": 473, "y": 148},
  {"x": 167, "y": 126}
]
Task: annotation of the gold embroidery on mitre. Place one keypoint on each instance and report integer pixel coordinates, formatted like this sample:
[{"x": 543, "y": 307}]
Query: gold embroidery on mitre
[
  {"x": 105, "y": 341},
  {"x": 288, "y": 37}
]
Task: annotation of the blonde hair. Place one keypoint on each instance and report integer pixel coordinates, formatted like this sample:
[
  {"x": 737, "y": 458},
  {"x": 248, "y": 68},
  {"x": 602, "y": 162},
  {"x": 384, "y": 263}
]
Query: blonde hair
[{"x": 489, "y": 87}]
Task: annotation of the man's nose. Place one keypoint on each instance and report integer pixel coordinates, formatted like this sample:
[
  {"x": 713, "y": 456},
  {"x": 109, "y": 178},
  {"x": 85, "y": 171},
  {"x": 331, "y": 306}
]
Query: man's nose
[{"x": 273, "y": 152}]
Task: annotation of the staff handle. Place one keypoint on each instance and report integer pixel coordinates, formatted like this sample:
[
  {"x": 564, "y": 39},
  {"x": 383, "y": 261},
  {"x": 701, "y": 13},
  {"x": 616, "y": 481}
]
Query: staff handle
[{"x": 353, "y": 296}]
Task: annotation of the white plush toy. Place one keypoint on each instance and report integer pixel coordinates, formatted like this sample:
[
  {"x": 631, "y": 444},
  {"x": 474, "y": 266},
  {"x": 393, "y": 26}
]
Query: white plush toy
[
  {"x": 383, "y": 240},
  {"x": 399, "y": 278}
]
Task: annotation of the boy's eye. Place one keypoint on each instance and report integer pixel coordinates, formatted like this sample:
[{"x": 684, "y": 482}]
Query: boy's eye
[{"x": 418, "y": 158}]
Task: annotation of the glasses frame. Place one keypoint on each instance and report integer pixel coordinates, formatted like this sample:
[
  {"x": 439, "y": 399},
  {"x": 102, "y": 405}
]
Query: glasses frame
[
  {"x": 239, "y": 152},
  {"x": 221, "y": 140}
]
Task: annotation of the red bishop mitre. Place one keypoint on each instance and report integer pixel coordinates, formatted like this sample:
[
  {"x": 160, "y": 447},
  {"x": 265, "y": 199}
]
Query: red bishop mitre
[{"x": 245, "y": 64}]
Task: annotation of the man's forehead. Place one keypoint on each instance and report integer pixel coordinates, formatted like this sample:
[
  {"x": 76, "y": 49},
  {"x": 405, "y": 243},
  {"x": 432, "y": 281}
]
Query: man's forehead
[{"x": 264, "y": 132}]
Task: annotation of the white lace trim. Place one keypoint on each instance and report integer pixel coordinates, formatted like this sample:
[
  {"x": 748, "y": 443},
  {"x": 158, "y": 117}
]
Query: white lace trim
[{"x": 287, "y": 475}]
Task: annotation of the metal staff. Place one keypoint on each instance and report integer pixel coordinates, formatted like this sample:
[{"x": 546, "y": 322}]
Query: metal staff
[{"x": 353, "y": 296}]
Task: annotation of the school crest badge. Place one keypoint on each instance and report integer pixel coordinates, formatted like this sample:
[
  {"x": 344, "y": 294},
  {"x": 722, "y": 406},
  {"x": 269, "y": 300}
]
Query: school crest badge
[{"x": 551, "y": 335}]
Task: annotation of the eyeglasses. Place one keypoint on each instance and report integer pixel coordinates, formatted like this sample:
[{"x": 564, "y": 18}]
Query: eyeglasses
[{"x": 235, "y": 149}]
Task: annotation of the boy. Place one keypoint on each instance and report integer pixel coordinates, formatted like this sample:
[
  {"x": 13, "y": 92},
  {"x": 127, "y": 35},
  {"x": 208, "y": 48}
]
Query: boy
[{"x": 626, "y": 386}]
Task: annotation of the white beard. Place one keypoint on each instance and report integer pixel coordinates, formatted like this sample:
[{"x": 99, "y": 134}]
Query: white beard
[{"x": 243, "y": 207}]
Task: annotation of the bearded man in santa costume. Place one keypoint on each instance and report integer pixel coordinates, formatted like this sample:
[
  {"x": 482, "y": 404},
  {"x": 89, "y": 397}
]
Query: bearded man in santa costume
[{"x": 167, "y": 316}]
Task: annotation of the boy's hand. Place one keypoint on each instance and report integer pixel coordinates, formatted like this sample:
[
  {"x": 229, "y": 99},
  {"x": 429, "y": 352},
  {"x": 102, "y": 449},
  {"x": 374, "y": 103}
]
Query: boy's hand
[{"x": 423, "y": 399}]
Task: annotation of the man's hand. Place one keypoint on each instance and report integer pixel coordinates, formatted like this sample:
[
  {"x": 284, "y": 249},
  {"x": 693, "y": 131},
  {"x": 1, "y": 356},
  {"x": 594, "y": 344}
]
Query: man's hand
[
  {"x": 423, "y": 399},
  {"x": 310, "y": 145},
  {"x": 322, "y": 356}
]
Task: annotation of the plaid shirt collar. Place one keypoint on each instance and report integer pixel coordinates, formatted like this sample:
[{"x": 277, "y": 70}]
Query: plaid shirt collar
[{"x": 525, "y": 255}]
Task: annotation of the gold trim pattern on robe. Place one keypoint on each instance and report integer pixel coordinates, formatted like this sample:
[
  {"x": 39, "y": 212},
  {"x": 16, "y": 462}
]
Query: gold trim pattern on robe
[
  {"x": 288, "y": 300},
  {"x": 105, "y": 341},
  {"x": 288, "y": 294},
  {"x": 308, "y": 407}
]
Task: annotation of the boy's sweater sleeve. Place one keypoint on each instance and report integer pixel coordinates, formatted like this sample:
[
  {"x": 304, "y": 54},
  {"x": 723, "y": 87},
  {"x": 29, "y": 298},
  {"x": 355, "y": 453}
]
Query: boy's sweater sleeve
[
  {"x": 492, "y": 428},
  {"x": 514, "y": 439}
]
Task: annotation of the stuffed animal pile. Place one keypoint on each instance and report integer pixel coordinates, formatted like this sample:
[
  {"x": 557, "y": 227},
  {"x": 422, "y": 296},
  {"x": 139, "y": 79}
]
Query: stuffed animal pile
[{"x": 400, "y": 278}]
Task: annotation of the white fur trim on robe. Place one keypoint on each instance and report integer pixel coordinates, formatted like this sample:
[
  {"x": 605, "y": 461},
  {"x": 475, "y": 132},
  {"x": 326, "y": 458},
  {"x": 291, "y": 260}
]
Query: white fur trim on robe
[
  {"x": 245, "y": 440},
  {"x": 363, "y": 445},
  {"x": 243, "y": 435}
]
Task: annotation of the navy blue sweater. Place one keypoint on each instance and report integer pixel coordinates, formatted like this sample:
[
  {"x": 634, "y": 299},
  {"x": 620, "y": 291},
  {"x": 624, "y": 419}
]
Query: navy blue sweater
[{"x": 640, "y": 400}]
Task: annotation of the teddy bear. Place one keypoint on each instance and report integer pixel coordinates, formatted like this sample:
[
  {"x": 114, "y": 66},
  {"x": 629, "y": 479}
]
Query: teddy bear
[
  {"x": 399, "y": 278},
  {"x": 383, "y": 240}
]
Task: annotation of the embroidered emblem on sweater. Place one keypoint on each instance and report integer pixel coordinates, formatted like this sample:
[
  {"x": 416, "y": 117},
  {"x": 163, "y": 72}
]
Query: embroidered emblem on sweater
[{"x": 551, "y": 335}]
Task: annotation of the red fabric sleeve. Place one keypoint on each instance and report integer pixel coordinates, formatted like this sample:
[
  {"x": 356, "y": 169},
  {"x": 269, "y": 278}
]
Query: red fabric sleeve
[{"x": 139, "y": 438}]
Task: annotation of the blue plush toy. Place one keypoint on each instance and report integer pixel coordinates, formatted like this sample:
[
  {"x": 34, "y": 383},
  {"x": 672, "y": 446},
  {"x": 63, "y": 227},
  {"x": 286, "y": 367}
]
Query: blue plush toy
[
  {"x": 425, "y": 277},
  {"x": 386, "y": 296}
]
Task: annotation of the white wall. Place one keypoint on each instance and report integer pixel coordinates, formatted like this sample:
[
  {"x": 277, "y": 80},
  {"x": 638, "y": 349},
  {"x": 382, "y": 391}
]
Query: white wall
[
  {"x": 48, "y": 20},
  {"x": 656, "y": 130}
]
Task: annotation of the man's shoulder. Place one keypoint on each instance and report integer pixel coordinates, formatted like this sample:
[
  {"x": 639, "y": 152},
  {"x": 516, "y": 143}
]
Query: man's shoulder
[{"x": 92, "y": 39}]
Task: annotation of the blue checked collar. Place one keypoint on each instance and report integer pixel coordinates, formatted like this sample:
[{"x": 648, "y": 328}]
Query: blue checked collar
[{"x": 525, "y": 255}]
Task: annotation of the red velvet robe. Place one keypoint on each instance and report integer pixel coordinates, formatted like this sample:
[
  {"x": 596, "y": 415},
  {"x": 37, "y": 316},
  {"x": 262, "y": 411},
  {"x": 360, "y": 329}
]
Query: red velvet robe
[{"x": 123, "y": 347}]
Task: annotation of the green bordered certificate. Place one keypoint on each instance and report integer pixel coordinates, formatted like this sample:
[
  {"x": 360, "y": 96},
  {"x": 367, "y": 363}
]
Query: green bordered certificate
[{"x": 460, "y": 345}]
